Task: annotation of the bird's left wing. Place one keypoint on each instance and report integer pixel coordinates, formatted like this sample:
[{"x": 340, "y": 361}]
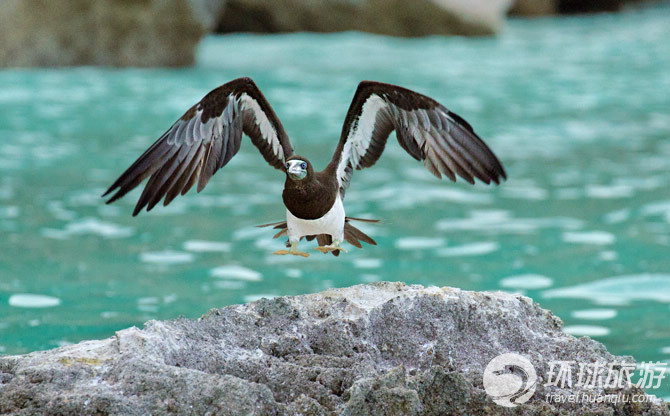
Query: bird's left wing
[
  {"x": 204, "y": 140},
  {"x": 429, "y": 132}
]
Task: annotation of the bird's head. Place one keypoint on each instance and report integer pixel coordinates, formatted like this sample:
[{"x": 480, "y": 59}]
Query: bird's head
[{"x": 298, "y": 168}]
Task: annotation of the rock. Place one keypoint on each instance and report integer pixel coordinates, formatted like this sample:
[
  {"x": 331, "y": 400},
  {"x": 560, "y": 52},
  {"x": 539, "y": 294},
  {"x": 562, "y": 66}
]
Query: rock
[
  {"x": 100, "y": 32},
  {"x": 534, "y": 7},
  {"x": 389, "y": 17},
  {"x": 383, "y": 348},
  {"x": 550, "y": 7}
]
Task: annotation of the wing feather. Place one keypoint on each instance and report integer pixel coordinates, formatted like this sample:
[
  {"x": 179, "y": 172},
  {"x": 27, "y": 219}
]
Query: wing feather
[
  {"x": 444, "y": 141},
  {"x": 202, "y": 141}
]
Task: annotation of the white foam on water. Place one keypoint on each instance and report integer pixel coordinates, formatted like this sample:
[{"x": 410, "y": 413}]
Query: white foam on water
[
  {"x": 619, "y": 290},
  {"x": 251, "y": 232},
  {"x": 595, "y": 314},
  {"x": 472, "y": 249},
  {"x": 616, "y": 217},
  {"x": 234, "y": 271},
  {"x": 419, "y": 243},
  {"x": 254, "y": 298},
  {"x": 293, "y": 273},
  {"x": 527, "y": 281},
  {"x": 369, "y": 278},
  {"x": 109, "y": 314},
  {"x": 10, "y": 211},
  {"x": 656, "y": 208},
  {"x": 609, "y": 191},
  {"x": 57, "y": 209},
  {"x": 202, "y": 246},
  {"x": 665, "y": 350},
  {"x": 166, "y": 257},
  {"x": 586, "y": 330},
  {"x": 148, "y": 300},
  {"x": 405, "y": 195},
  {"x": 147, "y": 307},
  {"x": 589, "y": 237},
  {"x": 530, "y": 192},
  {"x": 84, "y": 198},
  {"x": 367, "y": 263},
  {"x": 608, "y": 255},
  {"x": 89, "y": 226},
  {"x": 32, "y": 300},
  {"x": 268, "y": 243},
  {"x": 504, "y": 224},
  {"x": 229, "y": 284}
]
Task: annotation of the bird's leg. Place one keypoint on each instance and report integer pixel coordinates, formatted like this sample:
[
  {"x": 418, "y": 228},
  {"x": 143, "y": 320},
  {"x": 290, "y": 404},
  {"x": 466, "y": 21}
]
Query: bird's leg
[
  {"x": 292, "y": 250},
  {"x": 331, "y": 247}
]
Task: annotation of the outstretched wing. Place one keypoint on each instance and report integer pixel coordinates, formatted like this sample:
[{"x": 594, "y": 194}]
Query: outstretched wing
[
  {"x": 202, "y": 141},
  {"x": 429, "y": 132}
]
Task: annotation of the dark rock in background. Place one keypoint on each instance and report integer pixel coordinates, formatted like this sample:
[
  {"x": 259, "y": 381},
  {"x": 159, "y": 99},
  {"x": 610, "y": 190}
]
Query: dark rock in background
[
  {"x": 389, "y": 17},
  {"x": 98, "y": 32},
  {"x": 383, "y": 348},
  {"x": 162, "y": 33},
  {"x": 549, "y": 7}
]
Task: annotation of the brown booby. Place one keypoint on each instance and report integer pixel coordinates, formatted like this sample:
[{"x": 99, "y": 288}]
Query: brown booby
[{"x": 209, "y": 134}]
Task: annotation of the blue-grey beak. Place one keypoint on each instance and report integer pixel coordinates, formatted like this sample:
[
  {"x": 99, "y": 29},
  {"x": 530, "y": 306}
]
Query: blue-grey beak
[{"x": 296, "y": 172}]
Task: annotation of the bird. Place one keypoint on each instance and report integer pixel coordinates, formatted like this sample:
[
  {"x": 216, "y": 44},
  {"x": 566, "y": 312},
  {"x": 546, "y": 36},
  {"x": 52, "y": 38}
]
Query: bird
[{"x": 210, "y": 133}]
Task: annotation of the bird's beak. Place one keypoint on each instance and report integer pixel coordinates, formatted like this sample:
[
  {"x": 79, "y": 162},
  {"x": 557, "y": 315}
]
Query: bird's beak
[{"x": 297, "y": 173}]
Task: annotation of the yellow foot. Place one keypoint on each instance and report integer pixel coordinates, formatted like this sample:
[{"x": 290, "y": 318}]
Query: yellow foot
[
  {"x": 326, "y": 249},
  {"x": 295, "y": 253}
]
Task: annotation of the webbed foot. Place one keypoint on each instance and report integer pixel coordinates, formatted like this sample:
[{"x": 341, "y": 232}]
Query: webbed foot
[
  {"x": 293, "y": 250},
  {"x": 329, "y": 248}
]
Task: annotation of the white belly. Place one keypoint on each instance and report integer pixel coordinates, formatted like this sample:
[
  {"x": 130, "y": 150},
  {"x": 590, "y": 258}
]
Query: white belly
[{"x": 331, "y": 223}]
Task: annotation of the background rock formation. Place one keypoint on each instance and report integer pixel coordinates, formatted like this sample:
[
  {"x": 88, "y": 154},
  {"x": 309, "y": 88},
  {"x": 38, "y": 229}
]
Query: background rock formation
[
  {"x": 388, "y": 17},
  {"x": 166, "y": 32},
  {"x": 383, "y": 348},
  {"x": 98, "y": 32}
]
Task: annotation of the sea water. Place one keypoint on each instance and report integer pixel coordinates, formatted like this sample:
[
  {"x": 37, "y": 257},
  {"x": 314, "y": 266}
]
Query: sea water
[{"x": 577, "y": 109}]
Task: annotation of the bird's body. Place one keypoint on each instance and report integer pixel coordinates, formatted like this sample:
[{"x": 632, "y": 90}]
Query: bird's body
[{"x": 209, "y": 134}]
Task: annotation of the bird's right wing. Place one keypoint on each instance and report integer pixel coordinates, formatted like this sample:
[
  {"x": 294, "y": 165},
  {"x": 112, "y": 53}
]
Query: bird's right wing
[{"x": 204, "y": 140}]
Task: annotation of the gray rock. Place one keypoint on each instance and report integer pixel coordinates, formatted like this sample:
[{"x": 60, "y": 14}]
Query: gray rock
[
  {"x": 383, "y": 348},
  {"x": 388, "y": 17},
  {"x": 99, "y": 32}
]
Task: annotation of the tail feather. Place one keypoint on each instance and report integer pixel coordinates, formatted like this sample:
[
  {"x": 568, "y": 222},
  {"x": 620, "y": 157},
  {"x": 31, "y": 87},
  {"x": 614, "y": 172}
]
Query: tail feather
[
  {"x": 281, "y": 232},
  {"x": 352, "y": 235},
  {"x": 277, "y": 225},
  {"x": 324, "y": 240}
]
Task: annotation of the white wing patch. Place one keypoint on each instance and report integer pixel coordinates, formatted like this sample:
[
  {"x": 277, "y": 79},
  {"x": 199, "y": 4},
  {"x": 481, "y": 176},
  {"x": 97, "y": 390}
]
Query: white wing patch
[
  {"x": 263, "y": 123},
  {"x": 360, "y": 135}
]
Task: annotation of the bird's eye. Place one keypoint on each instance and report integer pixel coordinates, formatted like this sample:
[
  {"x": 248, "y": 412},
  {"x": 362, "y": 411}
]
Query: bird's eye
[
  {"x": 303, "y": 165},
  {"x": 288, "y": 165}
]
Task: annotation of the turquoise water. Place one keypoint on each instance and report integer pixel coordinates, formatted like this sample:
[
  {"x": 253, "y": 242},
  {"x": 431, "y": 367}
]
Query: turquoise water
[{"x": 576, "y": 108}]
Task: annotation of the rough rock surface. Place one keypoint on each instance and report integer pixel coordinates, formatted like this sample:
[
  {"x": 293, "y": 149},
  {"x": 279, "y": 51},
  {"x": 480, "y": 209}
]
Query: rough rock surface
[
  {"x": 100, "y": 32},
  {"x": 389, "y": 17},
  {"x": 383, "y": 348}
]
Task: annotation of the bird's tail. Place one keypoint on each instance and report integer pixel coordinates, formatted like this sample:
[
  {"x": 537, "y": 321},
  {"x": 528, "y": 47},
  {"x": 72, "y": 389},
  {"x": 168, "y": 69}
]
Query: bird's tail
[{"x": 352, "y": 235}]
